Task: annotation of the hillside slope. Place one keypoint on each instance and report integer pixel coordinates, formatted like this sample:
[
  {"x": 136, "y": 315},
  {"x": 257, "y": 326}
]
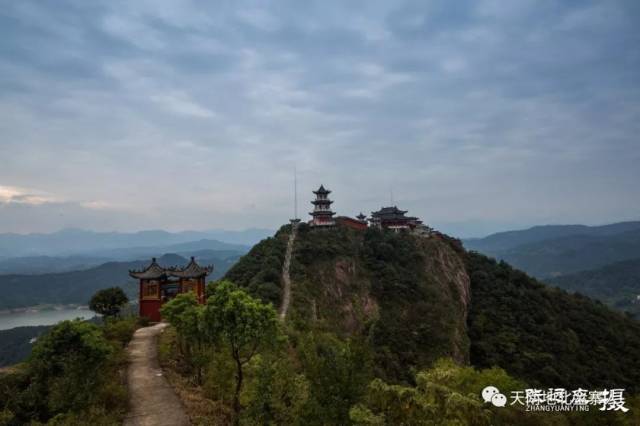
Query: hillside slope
[
  {"x": 16, "y": 343},
  {"x": 546, "y": 335},
  {"x": 616, "y": 284},
  {"x": 415, "y": 299}
]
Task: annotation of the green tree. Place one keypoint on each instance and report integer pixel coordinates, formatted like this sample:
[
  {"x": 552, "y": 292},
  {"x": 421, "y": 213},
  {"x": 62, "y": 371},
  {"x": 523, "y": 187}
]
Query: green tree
[
  {"x": 185, "y": 314},
  {"x": 338, "y": 371},
  {"x": 241, "y": 323},
  {"x": 277, "y": 394},
  {"x": 65, "y": 368},
  {"x": 446, "y": 394},
  {"x": 108, "y": 301}
]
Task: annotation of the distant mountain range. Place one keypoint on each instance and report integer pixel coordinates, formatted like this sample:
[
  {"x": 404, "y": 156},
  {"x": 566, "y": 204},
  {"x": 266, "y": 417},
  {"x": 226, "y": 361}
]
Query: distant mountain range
[
  {"x": 602, "y": 262},
  {"x": 551, "y": 251},
  {"x": 52, "y": 264},
  {"x": 81, "y": 242},
  {"x": 77, "y": 287}
]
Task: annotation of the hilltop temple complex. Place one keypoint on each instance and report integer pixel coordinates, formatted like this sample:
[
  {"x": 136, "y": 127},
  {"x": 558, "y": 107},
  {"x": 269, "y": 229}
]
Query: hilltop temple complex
[
  {"x": 386, "y": 218},
  {"x": 158, "y": 285}
]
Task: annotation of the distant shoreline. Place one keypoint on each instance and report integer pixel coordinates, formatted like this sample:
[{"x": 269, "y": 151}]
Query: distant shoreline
[{"x": 40, "y": 308}]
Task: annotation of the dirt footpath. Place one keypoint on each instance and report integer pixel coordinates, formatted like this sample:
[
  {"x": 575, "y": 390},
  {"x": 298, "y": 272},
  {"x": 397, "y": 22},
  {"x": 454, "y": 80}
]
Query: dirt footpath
[{"x": 153, "y": 401}]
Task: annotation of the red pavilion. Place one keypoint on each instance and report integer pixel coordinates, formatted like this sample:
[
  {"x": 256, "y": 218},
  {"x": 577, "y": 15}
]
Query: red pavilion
[{"x": 159, "y": 285}]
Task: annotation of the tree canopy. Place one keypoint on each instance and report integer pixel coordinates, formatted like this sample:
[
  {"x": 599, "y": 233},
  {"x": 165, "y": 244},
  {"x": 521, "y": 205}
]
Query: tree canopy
[{"x": 108, "y": 301}]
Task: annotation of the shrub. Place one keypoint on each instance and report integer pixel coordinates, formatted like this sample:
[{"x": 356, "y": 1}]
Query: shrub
[{"x": 120, "y": 331}]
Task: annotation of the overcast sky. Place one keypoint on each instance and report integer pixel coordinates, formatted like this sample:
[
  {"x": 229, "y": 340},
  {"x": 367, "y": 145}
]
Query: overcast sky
[{"x": 476, "y": 115}]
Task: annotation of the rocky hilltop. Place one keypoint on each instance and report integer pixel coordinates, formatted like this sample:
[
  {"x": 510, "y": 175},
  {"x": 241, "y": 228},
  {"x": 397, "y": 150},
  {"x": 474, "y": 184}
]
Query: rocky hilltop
[
  {"x": 414, "y": 298},
  {"x": 407, "y": 294}
]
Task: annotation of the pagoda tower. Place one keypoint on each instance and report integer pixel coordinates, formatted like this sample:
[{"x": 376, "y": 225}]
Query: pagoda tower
[{"x": 322, "y": 214}]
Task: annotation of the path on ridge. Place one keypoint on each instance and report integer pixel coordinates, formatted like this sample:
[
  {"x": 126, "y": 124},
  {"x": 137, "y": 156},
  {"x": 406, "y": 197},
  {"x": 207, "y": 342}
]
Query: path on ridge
[
  {"x": 152, "y": 400},
  {"x": 286, "y": 279}
]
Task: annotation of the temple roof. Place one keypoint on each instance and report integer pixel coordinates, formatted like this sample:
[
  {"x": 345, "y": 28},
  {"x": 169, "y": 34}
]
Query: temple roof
[
  {"x": 391, "y": 213},
  {"x": 322, "y": 190},
  {"x": 192, "y": 270},
  {"x": 361, "y": 216},
  {"x": 153, "y": 271}
]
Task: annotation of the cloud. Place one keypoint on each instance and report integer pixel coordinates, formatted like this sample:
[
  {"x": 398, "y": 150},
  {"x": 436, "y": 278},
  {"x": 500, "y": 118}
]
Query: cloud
[
  {"x": 180, "y": 103},
  {"x": 10, "y": 194},
  {"x": 193, "y": 115}
]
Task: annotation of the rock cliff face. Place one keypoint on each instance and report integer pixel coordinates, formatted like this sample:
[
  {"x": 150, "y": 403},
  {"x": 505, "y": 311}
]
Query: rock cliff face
[{"x": 407, "y": 295}]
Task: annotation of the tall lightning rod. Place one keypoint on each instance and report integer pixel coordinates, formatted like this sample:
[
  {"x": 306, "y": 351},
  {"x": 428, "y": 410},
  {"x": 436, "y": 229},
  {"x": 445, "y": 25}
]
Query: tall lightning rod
[{"x": 295, "y": 192}]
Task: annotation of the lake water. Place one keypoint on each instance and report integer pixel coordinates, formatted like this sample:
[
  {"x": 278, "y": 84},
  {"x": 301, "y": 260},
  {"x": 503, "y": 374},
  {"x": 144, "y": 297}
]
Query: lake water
[{"x": 43, "y": 317}]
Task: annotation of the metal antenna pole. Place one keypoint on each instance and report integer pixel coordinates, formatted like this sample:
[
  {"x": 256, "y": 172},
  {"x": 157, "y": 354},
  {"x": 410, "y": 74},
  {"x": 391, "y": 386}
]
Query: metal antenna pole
[{"x": 295, "y": 192}]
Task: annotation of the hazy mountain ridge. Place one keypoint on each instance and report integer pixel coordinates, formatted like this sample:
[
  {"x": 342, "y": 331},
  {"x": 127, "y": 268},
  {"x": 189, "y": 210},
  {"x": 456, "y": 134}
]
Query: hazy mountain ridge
[
  {"x": 127, "y": 253},
  {"x": 75, "y": 241},
  {"x": 30, "y": 265},
  {"x": 548, "y": 251},
  {"x": 511, "y": 239},
  {"x": 77, "y": 287}
]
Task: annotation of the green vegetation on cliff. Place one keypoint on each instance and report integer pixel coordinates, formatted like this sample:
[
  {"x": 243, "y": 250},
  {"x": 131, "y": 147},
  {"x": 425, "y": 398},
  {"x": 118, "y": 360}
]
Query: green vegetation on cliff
[
  {"x": 260, "y": 270},
  {"x": 405, "y": 295}
]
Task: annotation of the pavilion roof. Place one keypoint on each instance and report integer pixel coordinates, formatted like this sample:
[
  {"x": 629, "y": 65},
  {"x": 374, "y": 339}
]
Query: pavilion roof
[
  {"x": 153, "y": 271},
  {"x": 192, "y": 270}
]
